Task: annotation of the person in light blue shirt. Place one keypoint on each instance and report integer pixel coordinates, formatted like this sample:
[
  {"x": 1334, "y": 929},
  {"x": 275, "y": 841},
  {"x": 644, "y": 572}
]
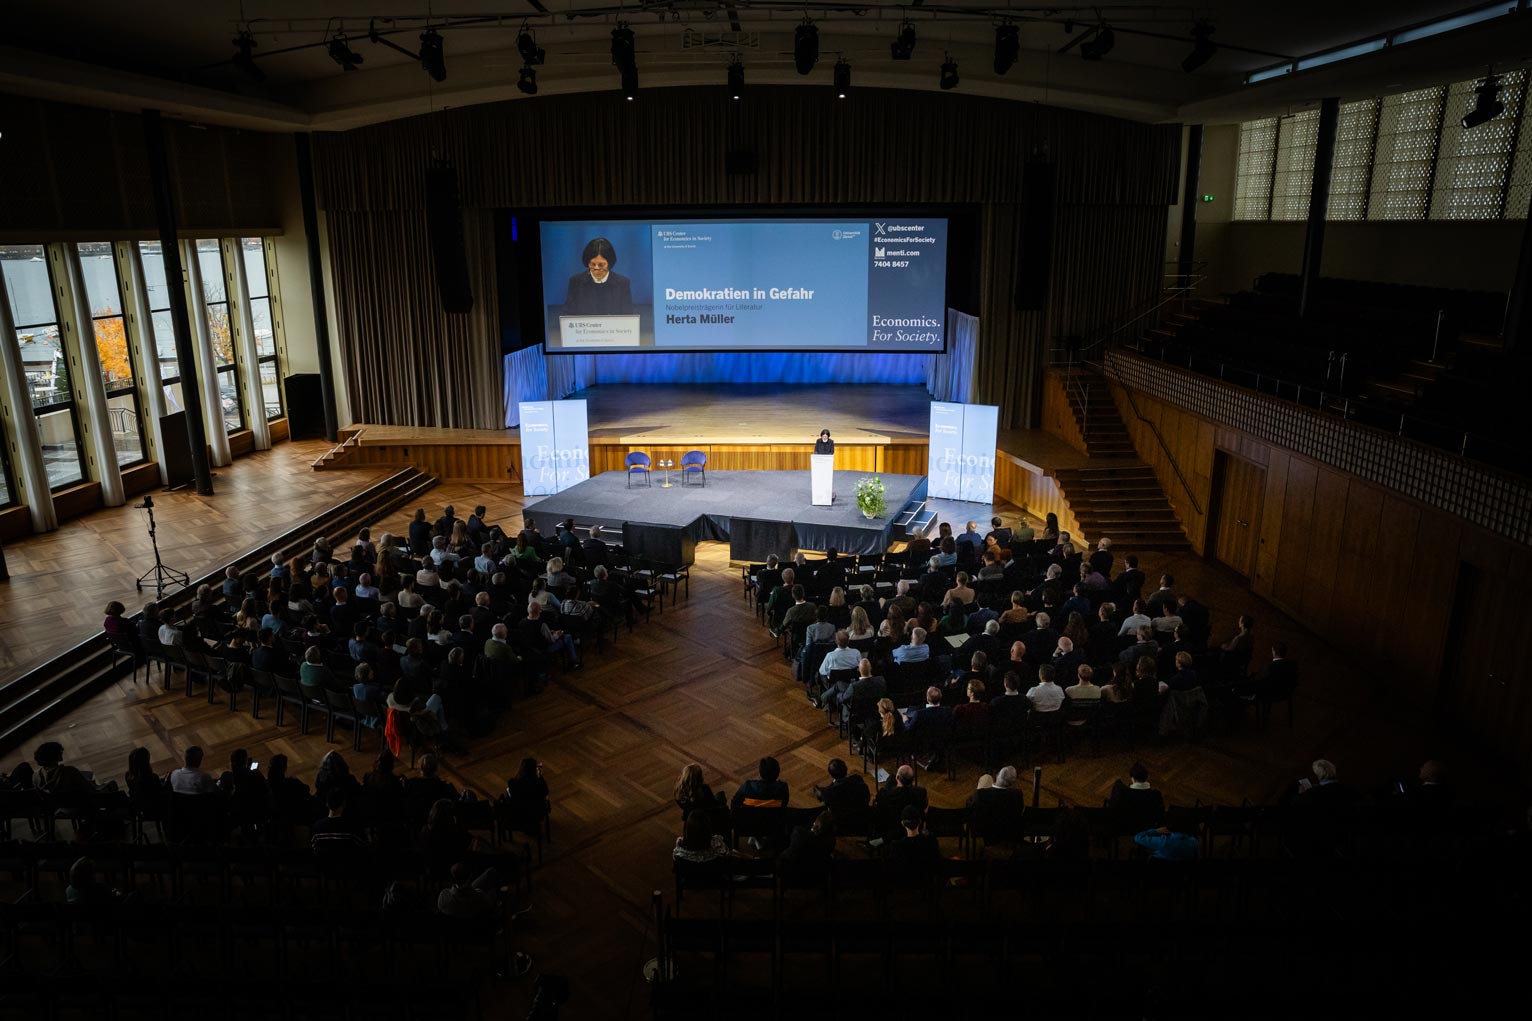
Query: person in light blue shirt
[
  {"x": 971, "y": 536},
  {"x": 915, "y": 652},
  {"x": 1166, "y": 844},
  {"x": 948, "y": 555}
]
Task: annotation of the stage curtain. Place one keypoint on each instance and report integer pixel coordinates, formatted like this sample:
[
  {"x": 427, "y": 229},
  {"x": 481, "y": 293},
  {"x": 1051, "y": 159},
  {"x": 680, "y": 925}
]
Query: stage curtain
[
  {"x": 406, "y": 361},
  {"x": 950, "y": 376},
  {"x": 1115, "y": 180}
]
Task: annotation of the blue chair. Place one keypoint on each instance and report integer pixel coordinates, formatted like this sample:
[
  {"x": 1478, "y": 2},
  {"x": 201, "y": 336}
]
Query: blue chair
[
  {"x": 638, "y": 462},
  {"x": 694, "y": 461}
]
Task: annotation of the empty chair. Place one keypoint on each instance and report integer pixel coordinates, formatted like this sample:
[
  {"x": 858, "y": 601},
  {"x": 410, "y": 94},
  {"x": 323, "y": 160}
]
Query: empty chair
[
  {"x": 694, "y": 462},
  {"x": 637, "y": 463}
]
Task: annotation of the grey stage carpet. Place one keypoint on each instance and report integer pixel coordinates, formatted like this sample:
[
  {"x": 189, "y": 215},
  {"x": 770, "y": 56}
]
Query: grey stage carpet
[{"x": 706, "y": 511}]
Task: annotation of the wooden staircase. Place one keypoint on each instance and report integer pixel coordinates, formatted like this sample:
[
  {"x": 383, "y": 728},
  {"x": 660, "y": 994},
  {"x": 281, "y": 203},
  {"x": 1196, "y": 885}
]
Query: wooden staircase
[{"x": 1119, "y": 498}]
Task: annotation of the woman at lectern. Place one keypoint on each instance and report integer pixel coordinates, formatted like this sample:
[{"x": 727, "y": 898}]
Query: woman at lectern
[
  {"x": 824, "y": 445},
  {"x": 599, "y": 291}
]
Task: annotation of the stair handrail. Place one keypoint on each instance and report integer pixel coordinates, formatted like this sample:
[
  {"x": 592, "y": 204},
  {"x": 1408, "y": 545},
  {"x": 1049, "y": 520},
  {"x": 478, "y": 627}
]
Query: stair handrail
[
  {"x": 1164, "y": 447},
  {"x": 338, "y": 448}
]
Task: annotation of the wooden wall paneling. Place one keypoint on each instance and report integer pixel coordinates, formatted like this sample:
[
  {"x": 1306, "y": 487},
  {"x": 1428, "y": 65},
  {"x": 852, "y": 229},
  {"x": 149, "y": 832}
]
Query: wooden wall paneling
[
  {"x": 1272, "y": 525},
  {"x": 280, "y": 433},
  {"x": 1398, "y": 529},
  {"x": 14, "y": 523},
  {"x": 241, "y": 442},
  {"x": 1319, "y": 580},
  {"x": 1427, "y": 593},
  {"x": 1356, "y": 568},
  {"x": 605, "y": 457},
  {"x": 857, "y": 457},
  {"x": 77, "y": 500},
  {"x": 1297, "y": 514},
  {"x": 906, "y": 459},
  {"x": 1038, "y": 495},
  {"x": 140, "y": 478}
]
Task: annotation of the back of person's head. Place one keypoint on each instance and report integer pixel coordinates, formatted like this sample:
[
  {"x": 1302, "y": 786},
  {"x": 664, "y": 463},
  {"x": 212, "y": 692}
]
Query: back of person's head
[
  {"x": 1043, "y": 621},
  {"x": 1432, "y": 771},
  {"x": 1006, "y": 778},
  {"x": 911, "y": 819},
  {"x": 1167, "y": 581},
  {"x": 461, "y": 874},
  {"x": 1147, "y": 668},
  {"x": 335, "y": 801},
  {"x": 1085, "y": 673},
  {"x": 194, "y": 757},
  {"x": 979, "y": 663},
  {"x": 138, "y": 763},
  {"x": 1045, "y": 673},
  {"x": 1132, "y": 560},
  {"x": 837, "y": 769},
  {"x": 82, "y": 873},
  {"x": 994, "y": 522},
  {"x": 1012, "y": 680},
  {"x": 934, "y": 695},
  {"x": 1279, "y": 649},
  {"x": 824, "y": 825},
  {"x": 975, "y": 690},
  {"x": 1066, "y": 646},
  {"x": 798, "y": 593},
  {"x": 1183, "y": 660},
  {"x": 428, "y": 764},
  {"x": 864, "y": 667},
  {"x": 48, "y": 754},
  {"x": 1138, "y": 773},
  {"x": 1324, "y": 769},
  {"x": 842, "y": 638},
  {"x": 769, "y": 769},
  {"x": 1145, "y": 633},
  {"x": 822, "y": 614},
  {"x": 904, "y": 776},
  {"x": 239, "y": 761},
  {"x": 1246, "y": 622},
  {"x": 918, "y": 636}
]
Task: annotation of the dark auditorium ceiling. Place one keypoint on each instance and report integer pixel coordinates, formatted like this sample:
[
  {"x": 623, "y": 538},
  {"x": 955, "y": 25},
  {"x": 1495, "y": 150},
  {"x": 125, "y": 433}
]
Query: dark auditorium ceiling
[{"x": 177, "y": 55}]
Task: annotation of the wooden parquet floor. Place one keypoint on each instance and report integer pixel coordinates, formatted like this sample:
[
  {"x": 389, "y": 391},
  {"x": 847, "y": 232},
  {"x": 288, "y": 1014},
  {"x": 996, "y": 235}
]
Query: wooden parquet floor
[
  {"x": 702, "y": 682},
  {"x": 61, "y": 581}
]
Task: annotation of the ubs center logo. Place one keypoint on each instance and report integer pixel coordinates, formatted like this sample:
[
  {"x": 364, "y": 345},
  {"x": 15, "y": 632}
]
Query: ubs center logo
[{"x": 844, "y": 235}]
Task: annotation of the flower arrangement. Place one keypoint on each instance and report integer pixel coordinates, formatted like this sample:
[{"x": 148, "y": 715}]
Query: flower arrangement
[{"x": 871, "y": 498}]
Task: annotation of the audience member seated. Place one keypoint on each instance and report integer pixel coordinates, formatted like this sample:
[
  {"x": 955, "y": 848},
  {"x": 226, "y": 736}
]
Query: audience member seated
[
  {"x": 765, "y": 791},
  {"x": 697, "y": 842},
  {"x": 1084, "y": 689},
  {"x": 916, "y": 651},
  {"x": 1136, "y": 806},
  {"x": 190, "y": 778},
  {"x": 1045, "y": 696},
  {"x": 846, "y": 792}
]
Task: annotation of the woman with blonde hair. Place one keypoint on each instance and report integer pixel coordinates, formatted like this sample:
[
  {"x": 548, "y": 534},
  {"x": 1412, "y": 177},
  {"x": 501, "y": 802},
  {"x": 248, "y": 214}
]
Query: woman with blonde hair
[
  {"x": 691, "y": 792},
  {"x": 860, "y": 628}
]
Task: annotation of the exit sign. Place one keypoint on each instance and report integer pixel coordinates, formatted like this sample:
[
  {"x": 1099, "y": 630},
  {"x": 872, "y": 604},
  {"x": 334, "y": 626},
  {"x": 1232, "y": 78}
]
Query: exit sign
[{"x": 1207, "y": 198}]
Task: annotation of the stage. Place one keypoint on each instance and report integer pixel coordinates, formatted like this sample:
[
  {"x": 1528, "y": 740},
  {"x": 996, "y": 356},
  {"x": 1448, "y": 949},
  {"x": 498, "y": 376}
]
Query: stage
[{"x": 756, "y": 512}]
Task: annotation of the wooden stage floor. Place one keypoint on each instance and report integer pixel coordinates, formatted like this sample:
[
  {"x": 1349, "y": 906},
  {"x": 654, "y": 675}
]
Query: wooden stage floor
[{"x": 704, "y": 683}]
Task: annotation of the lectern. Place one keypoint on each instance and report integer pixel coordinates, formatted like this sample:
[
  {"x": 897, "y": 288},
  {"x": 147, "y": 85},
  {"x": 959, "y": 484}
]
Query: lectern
[{"x": 821, "y": 478}]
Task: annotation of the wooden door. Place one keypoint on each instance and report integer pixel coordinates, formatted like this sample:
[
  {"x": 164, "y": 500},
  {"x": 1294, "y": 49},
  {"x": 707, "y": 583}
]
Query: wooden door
[
  {"x": 1236, "y": 521},
  {"x": 1484, "y": 672}
]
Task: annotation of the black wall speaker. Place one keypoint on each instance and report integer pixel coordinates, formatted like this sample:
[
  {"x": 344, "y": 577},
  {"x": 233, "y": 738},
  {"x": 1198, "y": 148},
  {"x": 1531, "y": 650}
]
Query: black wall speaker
[
  {"x": 175, "y": 449},
  {"x": 444, "y": 225},
  {"x": 1036, "y": 245},
  {"x": 305, "y": 409}
]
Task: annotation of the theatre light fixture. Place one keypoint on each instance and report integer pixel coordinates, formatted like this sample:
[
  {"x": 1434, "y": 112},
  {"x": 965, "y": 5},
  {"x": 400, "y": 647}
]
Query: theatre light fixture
[
  {"x": 244, "y": 59},
  {"x": 805, "y": 46},
  {"x": 1007, "y": 47},
  {"x": 842, "y": 79},
  {"x": 343, "y": 54},
  {"x": 527, "y": 80},
  {"x": 1098, "y": 45},
  {"x": 531, "y": 53},
  {"x": 736, "y": 77},
  {"x": 432, "y": 57},
  {"x": 949, "y": 78},
  {"x": 903, "y": 46},
  {"x": 1486, "y": 105},
  {"x": 1203, "y": 46}
]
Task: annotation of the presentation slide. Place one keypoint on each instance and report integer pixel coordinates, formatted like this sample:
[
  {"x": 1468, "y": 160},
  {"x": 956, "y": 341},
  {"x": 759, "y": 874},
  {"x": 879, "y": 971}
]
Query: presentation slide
[{"x": 807, "y": 284}]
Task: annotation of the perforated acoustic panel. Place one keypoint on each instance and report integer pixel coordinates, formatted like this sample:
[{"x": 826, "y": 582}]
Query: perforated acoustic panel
[{"x": 1498, "y": 502}]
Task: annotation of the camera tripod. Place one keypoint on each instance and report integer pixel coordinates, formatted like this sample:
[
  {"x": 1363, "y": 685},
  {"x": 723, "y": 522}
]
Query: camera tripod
[{"x": 161, "y": 574}]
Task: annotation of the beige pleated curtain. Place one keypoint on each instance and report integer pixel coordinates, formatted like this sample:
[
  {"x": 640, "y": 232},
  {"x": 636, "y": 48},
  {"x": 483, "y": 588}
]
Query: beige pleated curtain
[{"x": 407, "y": 362}]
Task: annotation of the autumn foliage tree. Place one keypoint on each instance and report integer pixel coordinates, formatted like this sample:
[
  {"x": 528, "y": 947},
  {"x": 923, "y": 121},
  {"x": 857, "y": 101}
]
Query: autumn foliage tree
[{"x": 112, "y": 347}]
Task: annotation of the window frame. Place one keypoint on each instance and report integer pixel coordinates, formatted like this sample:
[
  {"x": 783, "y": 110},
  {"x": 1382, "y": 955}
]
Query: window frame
[
  {"x": 68, "y": 402},
  {"x": 272, "y": 359},
  {"x": 232, "y": 368},
  {"x": 131, "y": 389}
]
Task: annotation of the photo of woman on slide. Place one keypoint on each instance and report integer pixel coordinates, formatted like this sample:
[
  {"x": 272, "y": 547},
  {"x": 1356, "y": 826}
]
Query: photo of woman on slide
[{"x": 599, "y": 291}]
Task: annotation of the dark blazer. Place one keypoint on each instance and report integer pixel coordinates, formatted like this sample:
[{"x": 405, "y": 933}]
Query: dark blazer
[
  {"x": 894, "y": 799},
  {"x": 1101, "y": 560},
  {"x": 1279, "y": 677},
  {"x": 420, "y": 536},
  {"x": 931, "y": 720},
  {"x": 1131, "y": 584},
  {"x": 595, "y": 551},
  {"x": 1135, "y": 811},
  {"x": 850, "y": 794},
  {"x": 588, "y": 298}
]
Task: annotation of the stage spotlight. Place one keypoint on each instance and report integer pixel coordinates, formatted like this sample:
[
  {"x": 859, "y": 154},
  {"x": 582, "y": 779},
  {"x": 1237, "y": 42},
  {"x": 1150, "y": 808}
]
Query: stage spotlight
[
  {"x": 1203, "y": 46},
  {"x": 623, "y": 53},
  {"x": 244, "y": 59},
  {"x": 805, "y": 46},
  {"x": 344, "y": 55},
  {"x": 949, "y": 79},
  {"x": 842, "y": 79},
  {"x": 531, "y": 53},
  {"x": 431, "y": 56},
  {"x": 736, "y": 78},
  {"x": 1007, "y": 47},
  {"x": 527, "y": 81},
  {"x": 1486, "y": 104},
  {"x": 1098, "y": 45},
  {"x": 903, "y": 46},
  {"x": 630, "y": 82}
]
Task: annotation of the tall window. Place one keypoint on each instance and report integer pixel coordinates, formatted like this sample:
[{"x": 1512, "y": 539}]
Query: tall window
[
  {"x": 253, "y": 251},
  {"x": 216, "y": 296},
  {"x": 163, "y": 323},
  {"x": 99, "y": 270},
  {"x": 1402, "y": 157},
  {"x": 1257, "y": 151},
  {"x": 29, "y": 282}
]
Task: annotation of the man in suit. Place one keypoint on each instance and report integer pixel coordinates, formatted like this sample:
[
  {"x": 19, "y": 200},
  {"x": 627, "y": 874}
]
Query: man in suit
[
  {"x": 1131, "y": 581},
  {"x": 443, "y": 526},
  {"x": 916, "y": 853},
  {"x": 498, "y": 646},
  {"x": 933, "y": 717},
  {"x": 1043, "y": 640},
  {"x": 832, "y": 572},
  {"x": 1278, "y": 678},
  {"x": 1145, "y": 646},
  {"x": 1102, "y": 646},
  {"x": 1165, "y": 594},
  {"x": 998, "y": 532},
  {"x": 594, "y": 547},
  {"x": 1135, "y": 806},
  {"x": 267, "y": 656},
  {"x": 986, "y": 641},
  {"x": 802, "y": 612},
  {"x": 768, "y": 578},
  {"x": 1066, "y": 659},
  {"x": 1101, "y": 559},
  {"x": 598, "y": 290},
  {"x": 866, "y": 688},
  {"x": 1196, "y": 618},
  {"x": 899, "y": 794},
  {"x": 846, "y": 792}
]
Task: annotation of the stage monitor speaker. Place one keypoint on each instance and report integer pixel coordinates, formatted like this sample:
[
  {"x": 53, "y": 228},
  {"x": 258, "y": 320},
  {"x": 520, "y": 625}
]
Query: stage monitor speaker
[
  {"x": 1036, "y": 247},
  {"x": 305, "y": 408},
  {"x": 444, "y": 225},
  {"x": 175, "y": 449}
]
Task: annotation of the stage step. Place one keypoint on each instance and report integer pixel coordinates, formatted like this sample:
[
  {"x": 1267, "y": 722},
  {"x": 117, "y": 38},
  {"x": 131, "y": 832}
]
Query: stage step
[{"x": 915, "y": 517}]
